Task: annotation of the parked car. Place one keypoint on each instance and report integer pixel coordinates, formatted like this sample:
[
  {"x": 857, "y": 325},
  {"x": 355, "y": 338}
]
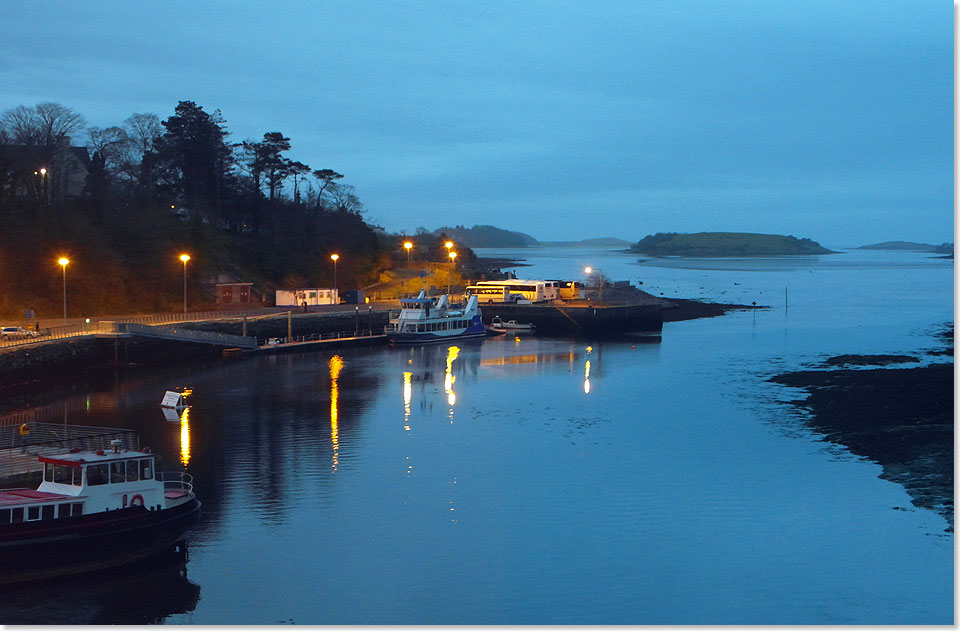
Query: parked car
[{"x": 16, "y": 333}]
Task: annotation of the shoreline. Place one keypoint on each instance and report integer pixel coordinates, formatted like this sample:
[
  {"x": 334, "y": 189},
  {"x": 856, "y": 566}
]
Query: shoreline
[{"x": 902, "y": 418}]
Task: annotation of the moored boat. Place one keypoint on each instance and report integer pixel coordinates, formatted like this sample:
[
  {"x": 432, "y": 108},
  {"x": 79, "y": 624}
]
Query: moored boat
[
  {"x": 93, "y": 510},
  {"x": 498, "y": 324},
  {"x": 423, "y": 320}
]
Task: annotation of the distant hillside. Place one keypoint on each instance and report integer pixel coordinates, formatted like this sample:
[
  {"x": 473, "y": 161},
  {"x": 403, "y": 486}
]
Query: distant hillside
[
  {"x": 725, "y": 244},
  {"x": 487, "y": 237},
  {"x": 943, "y": 248},
  {"x": 599, "y": 242}
]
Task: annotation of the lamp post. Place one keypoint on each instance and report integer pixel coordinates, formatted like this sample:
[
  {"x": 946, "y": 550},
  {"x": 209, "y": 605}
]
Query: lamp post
[
  {"x": 63, "y": 264},
  {"x": 448, "y": 245},
  {"x": 184, "y": 258},
  {"x": 408, "y": 246},
  {"x": 453, "y": 260},
  {"x": 335, "y": 258}
]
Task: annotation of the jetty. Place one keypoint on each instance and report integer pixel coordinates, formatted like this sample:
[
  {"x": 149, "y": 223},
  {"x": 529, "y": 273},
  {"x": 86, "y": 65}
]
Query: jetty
[{"x": 582, "y": 317}]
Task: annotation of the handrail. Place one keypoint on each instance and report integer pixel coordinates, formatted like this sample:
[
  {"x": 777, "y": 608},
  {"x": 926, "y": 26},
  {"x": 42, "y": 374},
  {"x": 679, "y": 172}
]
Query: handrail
[{"x": 177, "y": 480}]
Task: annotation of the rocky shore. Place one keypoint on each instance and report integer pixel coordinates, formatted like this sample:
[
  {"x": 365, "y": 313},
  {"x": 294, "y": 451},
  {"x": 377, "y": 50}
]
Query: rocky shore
[{"x": 900, "y": 418}]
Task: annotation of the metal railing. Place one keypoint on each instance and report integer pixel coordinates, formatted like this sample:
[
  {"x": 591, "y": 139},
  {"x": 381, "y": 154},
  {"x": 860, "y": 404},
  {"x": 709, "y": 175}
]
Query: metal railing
[
  {"x": 186, "y": 335},
  {"x": 315, "y": 337},
  {"x": 176, "y": 481}
]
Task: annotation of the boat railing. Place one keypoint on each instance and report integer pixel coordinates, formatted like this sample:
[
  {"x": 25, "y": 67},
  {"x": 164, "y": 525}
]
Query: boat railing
[{"x": 176, "y": 481}]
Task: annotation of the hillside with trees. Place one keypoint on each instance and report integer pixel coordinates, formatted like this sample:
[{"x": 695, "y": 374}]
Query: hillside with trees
[
  {"x": 483, "y": 236},
  {"x": 123, "y": 202},
  {"x": 712, "y": 244}
]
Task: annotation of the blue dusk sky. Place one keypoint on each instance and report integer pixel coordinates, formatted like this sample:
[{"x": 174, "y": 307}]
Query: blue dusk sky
[{"x": 827, "y": 119}]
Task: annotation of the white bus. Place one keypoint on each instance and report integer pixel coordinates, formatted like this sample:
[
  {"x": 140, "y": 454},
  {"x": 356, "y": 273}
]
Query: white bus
[{"x": 512, "y": 290}]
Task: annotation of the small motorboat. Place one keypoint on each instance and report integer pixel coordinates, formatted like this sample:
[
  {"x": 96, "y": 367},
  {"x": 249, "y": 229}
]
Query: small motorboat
[
  {"x": 498, "y": 324},
  {"x": 93, "y": 510}
]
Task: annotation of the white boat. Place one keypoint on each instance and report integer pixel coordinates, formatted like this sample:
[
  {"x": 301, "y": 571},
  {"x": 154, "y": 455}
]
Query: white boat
[
  {"x": 511, "y": 325},
  {"x": 93, "y": 510},
  {"x": 423, "y": 319}
]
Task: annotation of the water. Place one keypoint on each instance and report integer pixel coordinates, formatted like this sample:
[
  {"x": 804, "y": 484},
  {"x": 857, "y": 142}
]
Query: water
[{"x": 550, "y": 481}]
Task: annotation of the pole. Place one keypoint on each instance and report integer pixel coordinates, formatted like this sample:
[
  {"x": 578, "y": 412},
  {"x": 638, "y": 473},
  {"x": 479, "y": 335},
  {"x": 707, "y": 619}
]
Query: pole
[
  {"x": 64, "y": 293},
  {"x": 289, "y": 327},
  {"x": 184, "y": 286},
  {"x": 356, "y": 321}
]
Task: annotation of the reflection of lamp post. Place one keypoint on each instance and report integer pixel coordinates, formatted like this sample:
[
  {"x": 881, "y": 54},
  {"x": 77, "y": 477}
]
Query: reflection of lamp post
[
  {"x": 335, "y": 258},
  {"x": 408, "y": 247},
  {"x": 63, "y": 264},
  {"x": 184, "y": 258}
]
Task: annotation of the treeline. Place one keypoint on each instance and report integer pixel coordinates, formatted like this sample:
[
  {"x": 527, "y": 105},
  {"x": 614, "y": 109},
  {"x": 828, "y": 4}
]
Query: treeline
[{"x": 156, "y": 188}]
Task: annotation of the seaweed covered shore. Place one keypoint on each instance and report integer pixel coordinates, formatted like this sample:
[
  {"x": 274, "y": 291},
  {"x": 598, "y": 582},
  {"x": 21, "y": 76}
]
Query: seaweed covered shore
[{"x": 901, "y": 418}]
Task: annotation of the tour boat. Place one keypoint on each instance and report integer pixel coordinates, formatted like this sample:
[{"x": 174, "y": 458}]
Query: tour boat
[
  {"x": 423, "y": 319},
  {"x": 511, "y": 325},
  {"x": 93, "y": 510}
]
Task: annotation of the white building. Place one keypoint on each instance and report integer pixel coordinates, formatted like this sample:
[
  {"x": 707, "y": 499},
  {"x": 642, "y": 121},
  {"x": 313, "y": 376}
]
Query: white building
[{"x": 316, "y": 296}]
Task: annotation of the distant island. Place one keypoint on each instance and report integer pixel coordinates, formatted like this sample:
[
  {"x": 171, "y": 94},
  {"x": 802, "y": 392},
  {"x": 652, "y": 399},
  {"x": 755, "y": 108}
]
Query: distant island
[
  {"x": 943, "y": 248},
  {"x": 483, "y": 236},
  {"x": 725, "y": 244}
]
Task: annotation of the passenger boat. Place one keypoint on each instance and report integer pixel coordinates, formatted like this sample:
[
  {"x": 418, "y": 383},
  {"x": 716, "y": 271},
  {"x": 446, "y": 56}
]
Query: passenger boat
[
  {"x": 423, "y": 319},
  {"x": 498, "y": 324},
  {"x": 93, "y": 510}
]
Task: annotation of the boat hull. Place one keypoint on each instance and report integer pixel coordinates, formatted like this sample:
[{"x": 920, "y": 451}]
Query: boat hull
[
  {"x": 41, "y": 549},
  {"x": 430, "y": 337}
]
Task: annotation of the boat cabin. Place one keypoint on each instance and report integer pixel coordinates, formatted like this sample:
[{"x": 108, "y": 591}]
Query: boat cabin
[{"x": 87, "y": 482}]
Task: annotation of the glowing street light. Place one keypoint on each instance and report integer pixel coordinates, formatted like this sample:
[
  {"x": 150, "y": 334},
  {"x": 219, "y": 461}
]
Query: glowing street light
[
  {"x": 453, "y": 260},
  {"x": 334, "y": 258},
  {"x": 184, "y": 258},
  {"x": 408, "y": 247},
  {"x": 63, "y": 264}
]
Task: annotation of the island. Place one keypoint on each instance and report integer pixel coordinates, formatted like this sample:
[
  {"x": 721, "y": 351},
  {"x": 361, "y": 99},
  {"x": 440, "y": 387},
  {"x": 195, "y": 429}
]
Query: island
[
  {"x": 909, "y": 246},
  {"x": 719, "y": 244}
]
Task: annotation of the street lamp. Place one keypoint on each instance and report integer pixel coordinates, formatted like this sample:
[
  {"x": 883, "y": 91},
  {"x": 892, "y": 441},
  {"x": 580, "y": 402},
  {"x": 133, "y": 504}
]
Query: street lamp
[
  {"x": 408, "y": 247},
  {"x": 63, "y": 264},
  {"x": 184, "y": 258},
  {"x": 453, "y": 260},
  {"x": 334, "y": 258}
]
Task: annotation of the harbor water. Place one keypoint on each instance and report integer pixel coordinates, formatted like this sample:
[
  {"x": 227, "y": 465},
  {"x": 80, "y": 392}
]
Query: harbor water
[{"x": 536, "y": 480}]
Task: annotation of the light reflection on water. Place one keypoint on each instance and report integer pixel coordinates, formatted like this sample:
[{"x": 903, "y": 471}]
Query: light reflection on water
[{"x": 581, "y": 482}]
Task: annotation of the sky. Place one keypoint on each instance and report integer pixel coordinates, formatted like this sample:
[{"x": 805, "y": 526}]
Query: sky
[{"x": 824, "y": 119}]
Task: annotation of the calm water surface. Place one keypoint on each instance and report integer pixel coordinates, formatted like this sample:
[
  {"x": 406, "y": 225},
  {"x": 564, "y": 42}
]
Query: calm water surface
[{"x": 554, "y": 481}]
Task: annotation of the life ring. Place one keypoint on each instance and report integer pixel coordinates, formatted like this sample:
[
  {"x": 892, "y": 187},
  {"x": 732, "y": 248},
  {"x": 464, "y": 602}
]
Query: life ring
[{"x": 136, "y": 500}]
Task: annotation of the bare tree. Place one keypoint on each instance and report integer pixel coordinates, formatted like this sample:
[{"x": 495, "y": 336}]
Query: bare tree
[
  {"x": 142, "y": 130},
  {"x": 44, "y": 125}
]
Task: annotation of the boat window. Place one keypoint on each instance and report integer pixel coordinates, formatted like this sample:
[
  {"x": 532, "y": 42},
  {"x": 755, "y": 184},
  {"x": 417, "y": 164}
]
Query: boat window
[
  {"x": 62, "y": 474},
  {"x": 17, "y": 515},
  {"x": 145, "y": 469},
  {"x": 76, "y": 509},
  {"x": 118, "y": 472},
  {"x": 97, "y": 474},
  {"x": 133, "y": 471},
  {"x": 33, "y": 512},
  {"x": 63, "y": 511},
  {"x": 4, "y": 515},
  {"x": 48, "y": 472},
  {"x": 47, "y": 511}
]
